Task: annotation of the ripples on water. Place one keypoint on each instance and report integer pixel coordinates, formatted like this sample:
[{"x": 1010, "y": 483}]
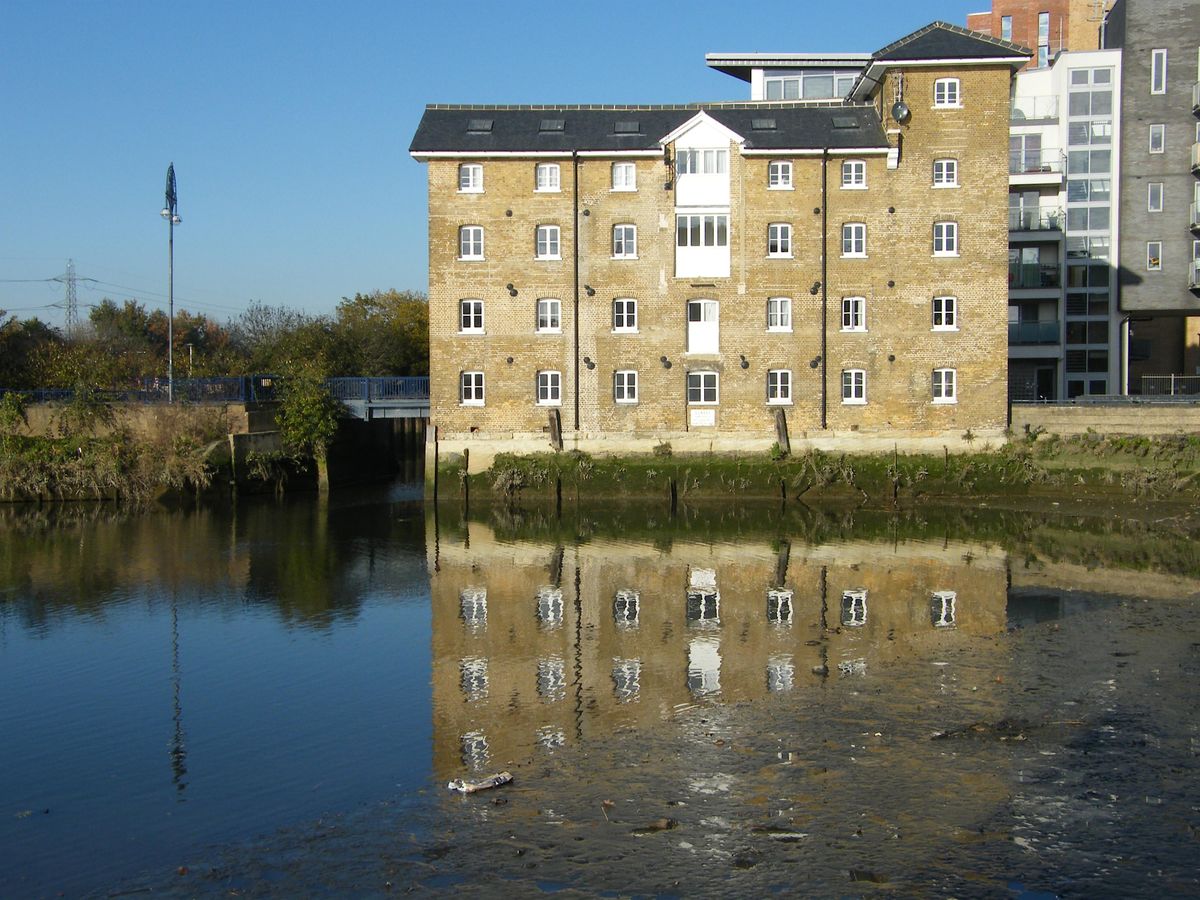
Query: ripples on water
[{"x": 735, "y": 700}]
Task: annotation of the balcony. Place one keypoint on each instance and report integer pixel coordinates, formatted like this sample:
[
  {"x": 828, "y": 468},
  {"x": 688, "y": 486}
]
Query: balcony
[
  {"x": 1033, "y": 276},
  {"x": 1194, "y": 221},
  {"x": 1043, "y": 166},
  {"x": 1196, "y": 97},
  {"x": 1035, "y": 219},
  {"x": 1196, "y": 157},
  {"x": 1194, "y": 275},
  {"x": 1034, "y": 109},
  {"x": 1025, "y": 333}
]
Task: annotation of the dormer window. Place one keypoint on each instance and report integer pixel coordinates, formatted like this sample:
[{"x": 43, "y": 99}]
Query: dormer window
[{"x": 809, "y": 84}]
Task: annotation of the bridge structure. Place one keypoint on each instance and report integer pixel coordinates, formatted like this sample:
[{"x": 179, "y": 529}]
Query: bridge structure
[{"x": 362, "y": 398}]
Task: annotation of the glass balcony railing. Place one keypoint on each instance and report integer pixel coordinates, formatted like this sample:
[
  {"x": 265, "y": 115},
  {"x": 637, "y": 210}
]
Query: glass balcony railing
[
  {"x": 1024, "y": 218},
  {"x": 1034, "y": 108},
  {"x": 1194, "y": 275},
  {"x": 1034, "y": 275},
  {"x": 1195, "y": 217},
  {"x": 1196, "y": 156},
  {"x": 1032, "y": 333},
  {"x": 1196, "y": 97},
  {"x": 1035, "y": 162}
]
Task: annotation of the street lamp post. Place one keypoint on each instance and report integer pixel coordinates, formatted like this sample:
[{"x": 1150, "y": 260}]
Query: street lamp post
[{"x": 171, "y": 215}]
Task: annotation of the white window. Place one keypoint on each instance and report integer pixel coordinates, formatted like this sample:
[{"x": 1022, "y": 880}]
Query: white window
[
  {"x": 945, "y": 173},
  {"x": 625, "y": 386},
  {"x": 1006, "y": 28},
  {"x": 470, "y": 178},
  {"x": 546, "y": 242},
  {"x": 549, "y": 316},
  {"x": 703, "y": 326},
  {"x": 549, "y": 388},
  {"x": 779, "y": 175},
  {"x": 702, "y": 162},
  {"x": 779, "y": 314},
  {"x": 854, "y": 386},
  {"x": 854, "y": 239},
  {"x": 1158, "y": 138},
  {"x": 1154, "y": 197},
  {"x": 547, "y": 177},
  {"x": 1158, "y": 71},
  {"x": 945, "y": 386},
  {"x": 470, "y": 316},
  {"x": 624, "y": 242},
  {"x": 624, "y": 176},
  {"x": 470, "y": 242},
  {"x": 702, "y": 388},
  {"x": 624, "y": 315},
  {"x": 945, "y": 239},
  {"x": 946, "y": 92},
  {"x": 471, "y": 389},
  {"x": 779, "y": 386},
  {"x": 1154, "y": 256},
  {"x": 854, "y": 314},
  {"x": 945, "y": 314},
  {"x": 779, "y": 239},
  {"x": 702, "y": 231},
  {"x": 854, "y": 174}
]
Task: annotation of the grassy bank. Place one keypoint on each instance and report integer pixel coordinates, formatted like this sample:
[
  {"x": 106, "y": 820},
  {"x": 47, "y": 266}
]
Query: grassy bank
[{"x": 1156, "y": 468}]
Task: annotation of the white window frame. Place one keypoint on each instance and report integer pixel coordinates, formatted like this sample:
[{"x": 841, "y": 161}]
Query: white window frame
[
  {"x": 947, "y": 93},
  {"x": 704, "y": 334},
  {"x": 779, "y": 175},
  {"x": 549, "y": 388},
  {"x": 854, "y": 314},
  {"x": 1154, "y": 196},
  {"x": 945, "y": 239},
  {"x": 624, "y": 176},
  {"x": 624, "y": 241},
  {"x": 854, "y": 175},
  {"x": 1153, "y": 256},
  {"x": 702, "y": 161},
  {"x": 625, "y": 386},
  {"x": 547, "y": 242},
  {"x": 779, "y": 240},
  {"x": 471, "y": 388},
  {"x": 945, "y": 313},
  {"x": 1158, "y": 71},
  {"x": 472, "y": 183},
  {"x": 854, "y": 387},
  {"x": 945, "y": 172},
  {"x": 624, "y": 320},
  {"x": 1158, "y": 129},
  {"x": 547, "y": 178},
  {"x": 707, "y": 382},
  {"x": 549, "y": 316},
  {"x": 469, "y": 311},
  {"x": 854, "y": 236},
  {"x": 779, "y": 387},
  {"x": 779, "y": 314},
  {"x": 945, "y": 386},
  {"x": 470, "y": 242},
  {"x": 710, "y": 227}
]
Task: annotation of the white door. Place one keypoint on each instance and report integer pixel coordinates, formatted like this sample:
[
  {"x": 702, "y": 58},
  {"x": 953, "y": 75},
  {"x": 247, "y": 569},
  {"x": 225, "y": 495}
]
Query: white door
[{"x": 703, "y": 327}]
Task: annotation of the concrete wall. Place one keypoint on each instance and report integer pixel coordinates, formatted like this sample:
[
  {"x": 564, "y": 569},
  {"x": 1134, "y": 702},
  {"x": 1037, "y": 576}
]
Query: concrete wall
[
  {"x": 1134, "y": 418},
  {"x": 146, "y": 421}
]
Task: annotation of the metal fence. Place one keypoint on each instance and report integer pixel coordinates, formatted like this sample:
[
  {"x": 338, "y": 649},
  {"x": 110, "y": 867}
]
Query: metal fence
[{"x": 1170, "y": 385}]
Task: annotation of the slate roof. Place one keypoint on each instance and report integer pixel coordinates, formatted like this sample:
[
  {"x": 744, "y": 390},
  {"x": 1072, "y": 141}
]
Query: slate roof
[
  {"x": 525, "y": 129},
  {"x": 941, "y": 40}
]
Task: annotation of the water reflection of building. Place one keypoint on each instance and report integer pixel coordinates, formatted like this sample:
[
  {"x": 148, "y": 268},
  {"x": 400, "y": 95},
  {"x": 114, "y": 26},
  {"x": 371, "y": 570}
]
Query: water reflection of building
[{"x": 537, "y": 645}]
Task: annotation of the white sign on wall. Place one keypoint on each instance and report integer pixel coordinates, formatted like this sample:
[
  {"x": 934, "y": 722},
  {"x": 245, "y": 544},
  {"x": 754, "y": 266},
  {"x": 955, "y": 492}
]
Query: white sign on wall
[{"x": 700, "y": 417}]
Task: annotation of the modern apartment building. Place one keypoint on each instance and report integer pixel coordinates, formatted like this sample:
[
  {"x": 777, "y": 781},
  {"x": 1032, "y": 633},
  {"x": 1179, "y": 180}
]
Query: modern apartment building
[
  {"x": 1047, "y": 26},
  {"x": 1160, "y": 191},
  {"x": 830, "y": 257}
]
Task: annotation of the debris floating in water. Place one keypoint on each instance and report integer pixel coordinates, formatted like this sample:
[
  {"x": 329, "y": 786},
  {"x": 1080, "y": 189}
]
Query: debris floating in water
[{"x": 470, "y": 787}]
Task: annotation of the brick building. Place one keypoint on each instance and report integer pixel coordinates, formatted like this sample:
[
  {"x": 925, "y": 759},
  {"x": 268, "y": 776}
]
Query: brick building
[
  {"x": 1047, "y": 26},
  {"x": 696, "y": 273}
]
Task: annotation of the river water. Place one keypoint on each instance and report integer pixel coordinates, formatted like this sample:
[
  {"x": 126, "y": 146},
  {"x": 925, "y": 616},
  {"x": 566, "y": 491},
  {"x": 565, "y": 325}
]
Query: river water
[{"x": 269, "y": 699}]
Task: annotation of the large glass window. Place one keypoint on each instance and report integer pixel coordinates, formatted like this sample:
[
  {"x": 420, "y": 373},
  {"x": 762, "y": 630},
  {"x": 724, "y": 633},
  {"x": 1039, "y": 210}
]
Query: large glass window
[
  {"x": 702, "y": 231},
  {"x": 701, "y": 162}
]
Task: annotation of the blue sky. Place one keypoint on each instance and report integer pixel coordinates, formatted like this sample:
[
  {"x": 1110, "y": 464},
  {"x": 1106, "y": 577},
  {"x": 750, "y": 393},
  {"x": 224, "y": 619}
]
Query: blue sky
[{"x": 289, "y": 126}]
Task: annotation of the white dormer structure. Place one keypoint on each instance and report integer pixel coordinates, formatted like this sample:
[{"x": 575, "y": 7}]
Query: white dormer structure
[{"x": 815, "y": 77}]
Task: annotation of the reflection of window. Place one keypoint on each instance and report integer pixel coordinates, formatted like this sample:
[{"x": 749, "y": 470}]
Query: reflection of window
[
  {"x": 550, "y": 607},
  {"x": 941, "y": 611},
  {"x": 779, "y": 606},
  {"x": 627, "y": 677},
  {"x": 703, "y": 598},
  {"x": 552, "y": 679},
  {"x": 854, "y": 608},
  {"x": 625, "y": 608},
  {"x": 474, "y": 750},
  {"x": 473, "y": 606},
  {"x": 704, "y": 666},
  {"x": 781, "y": 674},
  {"x": 550, "y": 737},
  {"x": 474, "y": 677}
]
